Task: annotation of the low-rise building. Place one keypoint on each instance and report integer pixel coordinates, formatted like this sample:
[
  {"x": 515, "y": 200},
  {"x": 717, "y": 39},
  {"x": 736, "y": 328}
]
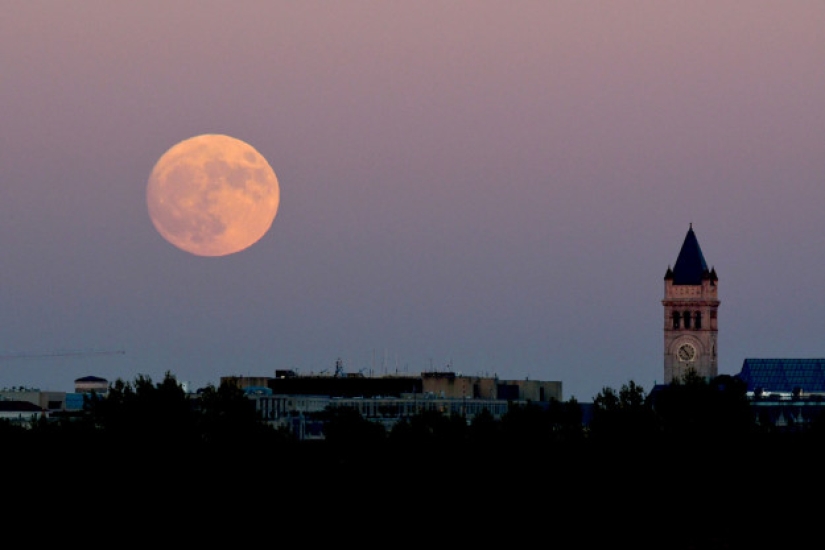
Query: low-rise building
[
  {"x": 295, "y": 402},
  {"x": 46, "y": 401},
  {"x": 787, "y": 394},
  {"x": 20, "y": 413}
]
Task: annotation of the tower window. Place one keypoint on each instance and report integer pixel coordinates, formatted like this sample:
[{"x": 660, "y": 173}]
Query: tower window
[
  {"x": 697, "y": 320},
  {"x": 686, "y": 318},
  {"x": 676, "y": 318}
]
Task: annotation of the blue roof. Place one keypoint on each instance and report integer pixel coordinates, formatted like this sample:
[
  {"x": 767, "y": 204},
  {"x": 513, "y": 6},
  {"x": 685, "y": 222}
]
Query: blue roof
[
  {"x": 690, "y": 267},
  {"x": 784, "y": 375}
]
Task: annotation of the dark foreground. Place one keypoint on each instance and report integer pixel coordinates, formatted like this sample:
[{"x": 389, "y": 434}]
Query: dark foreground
[{"x": 725, "y": 495}]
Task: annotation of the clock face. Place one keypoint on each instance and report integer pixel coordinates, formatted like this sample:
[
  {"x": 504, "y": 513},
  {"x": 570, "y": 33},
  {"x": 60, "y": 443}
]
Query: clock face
[{"x": 686, "y": 352}]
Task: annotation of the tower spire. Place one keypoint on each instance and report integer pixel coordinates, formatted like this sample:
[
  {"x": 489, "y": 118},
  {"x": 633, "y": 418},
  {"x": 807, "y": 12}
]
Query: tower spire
[{"x": 690, "y": 266}]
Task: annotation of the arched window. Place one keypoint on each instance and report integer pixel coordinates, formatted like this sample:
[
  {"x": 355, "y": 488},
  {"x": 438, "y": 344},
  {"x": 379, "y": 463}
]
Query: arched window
[
  {"x": 697, "y": 320},
  {"x": 686, "y": 319},
  {"x": 676, "y": 318}
]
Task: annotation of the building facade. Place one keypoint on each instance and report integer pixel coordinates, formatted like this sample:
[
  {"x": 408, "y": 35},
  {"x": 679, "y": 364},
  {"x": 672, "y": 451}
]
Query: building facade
[
  {"x": 46, "y": 401},
  {"x": 690, "y": 314},
  {"x": 295, "y": 402}
]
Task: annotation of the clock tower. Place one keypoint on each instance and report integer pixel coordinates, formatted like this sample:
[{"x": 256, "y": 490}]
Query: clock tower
[{"x": 690, "y": 303}]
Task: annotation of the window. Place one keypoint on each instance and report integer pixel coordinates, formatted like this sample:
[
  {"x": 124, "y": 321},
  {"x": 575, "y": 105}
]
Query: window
[
  {"x": 676, "y": 319},
  {"x": 697, "y": 320},
  {"x": 686, "y": 318}
]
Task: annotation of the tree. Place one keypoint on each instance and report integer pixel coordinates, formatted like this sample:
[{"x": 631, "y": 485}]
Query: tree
[
  {"x": 228, "y": 417},
  {"x": 526, "y": 425},
  {"x": 431, "y": 426},
  {"x": 693, "y": 408},
  {"x": 567, "y": 420},
  {"x": 624, "y": 416},
  {"x": 484, "y": 429},
  {"x": 141, "y": 413},
  {"x": 345, "y": 427}
]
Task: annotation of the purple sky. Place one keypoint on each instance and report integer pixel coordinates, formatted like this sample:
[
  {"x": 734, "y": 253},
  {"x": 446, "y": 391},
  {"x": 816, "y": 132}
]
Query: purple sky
[{"x": 498, "y": 187}]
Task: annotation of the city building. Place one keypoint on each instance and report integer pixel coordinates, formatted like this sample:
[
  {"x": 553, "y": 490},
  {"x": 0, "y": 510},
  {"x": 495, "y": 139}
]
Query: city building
[
  {"x": 295, "y": 402},
  {"x": 690, "y": 314},
  {"x": 784, "y": 393},
  {"x": 89, "y": 384},
  {"x": 788, "y": 394},
  {"x": 47, "y": 402},
  {"x": 20, "y": 413}
]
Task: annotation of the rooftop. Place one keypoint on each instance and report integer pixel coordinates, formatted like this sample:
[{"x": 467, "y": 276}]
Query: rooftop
[
  {"x": 784, "y": 375},
  {"x": 690, "y": 267}
]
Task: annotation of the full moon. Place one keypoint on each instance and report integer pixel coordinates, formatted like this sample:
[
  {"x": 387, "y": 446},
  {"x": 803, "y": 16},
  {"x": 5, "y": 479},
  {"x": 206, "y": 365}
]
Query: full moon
[{"x": 212, "y": 195}]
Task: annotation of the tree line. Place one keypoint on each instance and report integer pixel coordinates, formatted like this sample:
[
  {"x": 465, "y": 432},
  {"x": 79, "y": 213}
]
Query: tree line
[{"x": 142, "y": 414}]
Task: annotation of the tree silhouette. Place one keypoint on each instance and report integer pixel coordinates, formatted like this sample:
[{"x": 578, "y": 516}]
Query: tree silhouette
[
  {"x": 484, "y": 429},
  {"x": 567, "y": 419},
  {"x": 346, "y": 427},
  {"x": 694, "y": 408},
  {"x": 145, "y": 415},
  {"x": 227, "y": 417},
  {"x": 622, "y": 416}
]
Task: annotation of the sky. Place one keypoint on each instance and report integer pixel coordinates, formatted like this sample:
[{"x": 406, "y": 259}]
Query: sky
[{"x": 490, "y": 188}]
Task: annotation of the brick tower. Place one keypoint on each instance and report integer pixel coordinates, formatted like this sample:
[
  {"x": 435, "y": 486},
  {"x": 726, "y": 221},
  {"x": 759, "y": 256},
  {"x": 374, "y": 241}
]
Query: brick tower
[{"x": 691, "y": 302}]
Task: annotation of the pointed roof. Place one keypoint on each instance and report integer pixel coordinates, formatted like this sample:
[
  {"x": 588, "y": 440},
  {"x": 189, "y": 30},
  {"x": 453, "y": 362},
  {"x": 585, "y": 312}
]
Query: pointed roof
[{"x": 690, "y": 267}]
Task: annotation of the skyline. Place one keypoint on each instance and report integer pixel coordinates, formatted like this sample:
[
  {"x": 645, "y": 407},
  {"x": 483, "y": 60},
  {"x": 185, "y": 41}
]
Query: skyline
[{"x": 497, "y": 188}]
